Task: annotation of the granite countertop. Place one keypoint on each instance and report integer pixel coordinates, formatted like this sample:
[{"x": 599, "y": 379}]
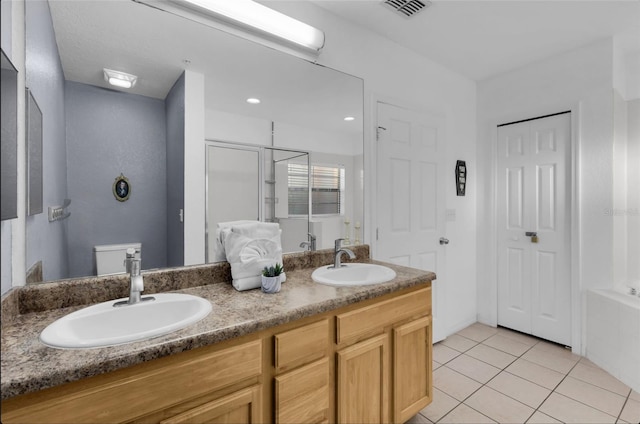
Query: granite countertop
[{"x": 27, "y": 365}]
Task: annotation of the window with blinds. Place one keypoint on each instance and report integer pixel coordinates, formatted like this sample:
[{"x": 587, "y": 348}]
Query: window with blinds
[{"x": 327, "y": 189}]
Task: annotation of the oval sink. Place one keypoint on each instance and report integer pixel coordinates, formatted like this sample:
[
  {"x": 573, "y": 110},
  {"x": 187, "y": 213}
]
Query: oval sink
[
  {"x": 105, "y": 325},
  {"x": 353, "y": 274}
]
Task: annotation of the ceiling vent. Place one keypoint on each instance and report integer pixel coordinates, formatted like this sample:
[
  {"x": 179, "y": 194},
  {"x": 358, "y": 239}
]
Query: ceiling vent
[{"x": 407, "y": 8}]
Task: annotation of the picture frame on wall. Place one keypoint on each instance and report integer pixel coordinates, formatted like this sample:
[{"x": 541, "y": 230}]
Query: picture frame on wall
[{"x": 121, "y": 188}]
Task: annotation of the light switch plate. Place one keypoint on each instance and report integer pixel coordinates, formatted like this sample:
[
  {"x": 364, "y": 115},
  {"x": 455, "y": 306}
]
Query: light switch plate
[{"x": 450, "y": 215}]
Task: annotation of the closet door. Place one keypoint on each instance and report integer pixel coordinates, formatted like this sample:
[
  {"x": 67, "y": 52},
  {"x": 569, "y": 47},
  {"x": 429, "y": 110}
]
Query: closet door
[{"x": 534, "y": 200}]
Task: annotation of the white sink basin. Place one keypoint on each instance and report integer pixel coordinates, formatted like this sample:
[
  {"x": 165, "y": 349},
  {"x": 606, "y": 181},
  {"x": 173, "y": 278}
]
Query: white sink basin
[
  {"x": 105, "y": 325},
  {"x": 353, "y": 274}
]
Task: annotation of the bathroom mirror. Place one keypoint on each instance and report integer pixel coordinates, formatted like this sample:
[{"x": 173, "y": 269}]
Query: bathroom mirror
[
  {"x": 9, "y": 113},
  {"x": 302, "y": 107}
]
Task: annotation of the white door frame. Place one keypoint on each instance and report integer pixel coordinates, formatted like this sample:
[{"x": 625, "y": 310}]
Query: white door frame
[{"x": 577, "y": 311}]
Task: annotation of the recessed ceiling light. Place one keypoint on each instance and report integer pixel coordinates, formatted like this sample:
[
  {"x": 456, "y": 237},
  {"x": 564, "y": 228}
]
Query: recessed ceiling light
[
  {"x": 349, "y": 118},
  {"x": 119, "y": 79},
  {"x": 253, "y": 100}
]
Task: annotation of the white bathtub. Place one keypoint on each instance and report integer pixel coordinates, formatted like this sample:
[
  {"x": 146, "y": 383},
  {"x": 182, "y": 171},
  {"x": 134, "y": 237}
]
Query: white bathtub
[{"x": 613, "y": 334}]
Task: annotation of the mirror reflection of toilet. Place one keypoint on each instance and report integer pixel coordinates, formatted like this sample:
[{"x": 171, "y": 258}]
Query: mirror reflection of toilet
[{"x": 110, "y": 258}]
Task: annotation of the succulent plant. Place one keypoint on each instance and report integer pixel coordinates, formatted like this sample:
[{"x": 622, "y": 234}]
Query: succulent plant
[{"x": 272, "y": 271}]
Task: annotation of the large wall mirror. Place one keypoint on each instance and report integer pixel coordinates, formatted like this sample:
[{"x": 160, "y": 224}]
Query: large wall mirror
[{"x": 112, "y": 132}]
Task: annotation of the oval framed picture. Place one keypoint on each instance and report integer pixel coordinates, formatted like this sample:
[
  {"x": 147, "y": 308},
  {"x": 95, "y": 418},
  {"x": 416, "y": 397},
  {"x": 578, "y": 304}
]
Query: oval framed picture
[{"x": 121, "y": 188}]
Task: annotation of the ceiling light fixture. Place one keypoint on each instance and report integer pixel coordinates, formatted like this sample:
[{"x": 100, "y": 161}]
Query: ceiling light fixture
[
  {"x": 253, "y": 100},
  {"x": 349, "y": 118},
  {"x": 248, "y": 19},
  {"x": 119, "y": 79}
]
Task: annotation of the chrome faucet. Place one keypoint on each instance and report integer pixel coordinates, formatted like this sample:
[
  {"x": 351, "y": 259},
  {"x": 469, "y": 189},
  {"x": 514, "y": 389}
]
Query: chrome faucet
[
  {"x": 339, "y": 250},
  {"x": 310, "y": 244},
  {"x": 136, "y": 283}
]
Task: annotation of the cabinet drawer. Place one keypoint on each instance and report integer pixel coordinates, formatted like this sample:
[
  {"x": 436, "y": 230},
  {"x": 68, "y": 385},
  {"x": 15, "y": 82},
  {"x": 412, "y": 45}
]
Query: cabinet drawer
[
  {"x": 142, "y": 389},
  {"x": 301, "y": 346},
  {"x": 372, "y": 319},
  {"x": 302, "y": 396}
]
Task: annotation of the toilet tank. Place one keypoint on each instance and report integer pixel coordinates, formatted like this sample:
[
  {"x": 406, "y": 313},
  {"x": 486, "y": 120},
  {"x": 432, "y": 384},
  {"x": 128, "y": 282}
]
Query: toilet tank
[{"x": 110, "y": 257}]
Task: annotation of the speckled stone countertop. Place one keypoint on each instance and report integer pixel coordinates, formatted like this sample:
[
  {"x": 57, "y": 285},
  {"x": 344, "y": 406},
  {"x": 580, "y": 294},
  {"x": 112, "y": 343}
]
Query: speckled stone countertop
[{"x": 27, "y": 365}]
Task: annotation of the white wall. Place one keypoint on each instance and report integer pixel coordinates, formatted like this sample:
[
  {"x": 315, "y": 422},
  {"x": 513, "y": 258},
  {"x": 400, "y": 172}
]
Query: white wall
[
  {"x": 620, "y": 190},
  {"x": 194, "y": 159},
  {"x": 424, "y": 85},
  {"x": 13, "y": 231},
  {"x": 580, "y": 80},
  {"x": 633, "y": 191}
]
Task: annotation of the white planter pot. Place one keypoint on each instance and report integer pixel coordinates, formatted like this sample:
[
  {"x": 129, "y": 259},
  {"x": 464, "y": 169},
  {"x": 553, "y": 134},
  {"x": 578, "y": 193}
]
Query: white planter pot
[{"x": 271, "y": 284}]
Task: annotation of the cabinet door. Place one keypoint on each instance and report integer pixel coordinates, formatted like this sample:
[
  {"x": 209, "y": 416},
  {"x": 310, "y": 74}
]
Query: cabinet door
[
  {"x": 362, "y": 378},
  {"x": 412, "y": 368},
  {"x": 243, "y": 406},
  {"x": 302, "y": 395}
]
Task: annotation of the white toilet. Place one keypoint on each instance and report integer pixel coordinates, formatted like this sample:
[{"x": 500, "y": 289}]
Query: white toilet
[{"x": 110, "y": 257}]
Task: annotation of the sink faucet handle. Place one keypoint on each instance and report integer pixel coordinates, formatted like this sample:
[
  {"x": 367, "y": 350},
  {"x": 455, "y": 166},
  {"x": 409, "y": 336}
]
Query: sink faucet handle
[{"x": 339, "y": 243}]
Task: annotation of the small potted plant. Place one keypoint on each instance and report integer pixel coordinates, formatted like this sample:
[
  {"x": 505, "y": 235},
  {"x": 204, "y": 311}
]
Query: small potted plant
[{"x": 271, "y": 278}]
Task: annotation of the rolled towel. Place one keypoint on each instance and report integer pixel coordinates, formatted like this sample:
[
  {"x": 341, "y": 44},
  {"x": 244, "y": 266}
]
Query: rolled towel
[
  {"x": 218, "y": 253},
  {"x": 248, "y": 256},
  {"x": 250, "y": 283}
]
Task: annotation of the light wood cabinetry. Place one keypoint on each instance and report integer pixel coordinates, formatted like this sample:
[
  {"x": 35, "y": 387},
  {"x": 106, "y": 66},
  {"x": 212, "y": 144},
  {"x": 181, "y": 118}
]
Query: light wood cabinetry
[
  {"x": 363, "y": 382},
  {"x": 369, "y": 362},
  {"x": 244, "y": 406},
  {"x": 303, "y": 395},
  {"x": 412, "y": 368}
]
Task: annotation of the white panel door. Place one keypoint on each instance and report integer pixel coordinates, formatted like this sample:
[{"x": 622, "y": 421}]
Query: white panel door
[
  {"x": 410, "y": 196},
  {"x": 534, "y": 285}
]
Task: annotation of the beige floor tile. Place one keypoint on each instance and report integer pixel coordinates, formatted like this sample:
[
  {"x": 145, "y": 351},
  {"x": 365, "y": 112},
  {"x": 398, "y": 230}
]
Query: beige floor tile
[
  {"x": 459, "y": 343},
  {"x": 568, "y": 410},
  {"x": 491, "y": 356},
  {"x": 499, "y": 407},
  {"x": 440, "y": 406},
  {"x": 520, "y": 337},
  {"x": 585, "y": 361},
  {"x": 599, "y": 377},
  {"x": 463, "y": 415},
  {"x": 520, "y": 389},
  {"x": 477, "y": 332},
  {"x": 473, "y": 368},
  {"x": 634, "y": 395},
  {"x": 453, "y": 383},
  {"x": 550, "y": 359},
  {"x": 508, "y": 345},
  {"x": 540, "y": 418},
  {"x": 443, "y": 354},
  {"x": 436, "y": 365},
  {"x": 535, "y": 373},
  {"x": 631, "y": 411},
  {"x": 621, "y": 422},
  {"x": 558, "y": 350},
  {"x": 591, "y": 395},
  {"x": 418, "y": 419}
]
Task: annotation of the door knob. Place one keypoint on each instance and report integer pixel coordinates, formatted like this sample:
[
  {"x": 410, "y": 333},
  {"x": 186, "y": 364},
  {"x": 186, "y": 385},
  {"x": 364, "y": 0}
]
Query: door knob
[
  {"x": 533, "y": 235},
  {"x": 444, "y": 240}
]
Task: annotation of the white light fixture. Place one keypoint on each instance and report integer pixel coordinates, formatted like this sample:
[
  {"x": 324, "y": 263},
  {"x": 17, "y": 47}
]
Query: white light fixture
[
  {"x": 250, "y": 20},
  {"x": 253, "y": 101},
  {"x": 250, "y": 14},
  {"x": 349, "y": 118},
  {"x": 119, "y": 79}
]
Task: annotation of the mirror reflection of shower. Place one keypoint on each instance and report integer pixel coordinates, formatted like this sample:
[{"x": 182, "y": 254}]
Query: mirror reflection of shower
[{"x": 247, "y": 182}]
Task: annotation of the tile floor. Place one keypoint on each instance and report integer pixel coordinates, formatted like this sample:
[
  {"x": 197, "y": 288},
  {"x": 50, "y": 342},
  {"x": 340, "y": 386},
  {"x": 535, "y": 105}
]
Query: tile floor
[{"x": 485, "y": 375}]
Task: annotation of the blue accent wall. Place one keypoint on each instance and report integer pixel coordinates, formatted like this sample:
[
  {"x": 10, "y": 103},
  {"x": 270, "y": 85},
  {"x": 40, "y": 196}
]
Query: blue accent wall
[{"x": 111, "y": 133}]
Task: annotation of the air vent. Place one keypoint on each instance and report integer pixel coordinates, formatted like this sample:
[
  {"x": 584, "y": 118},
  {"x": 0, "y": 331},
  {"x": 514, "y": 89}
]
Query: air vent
[{"x": 407, "y": 8}]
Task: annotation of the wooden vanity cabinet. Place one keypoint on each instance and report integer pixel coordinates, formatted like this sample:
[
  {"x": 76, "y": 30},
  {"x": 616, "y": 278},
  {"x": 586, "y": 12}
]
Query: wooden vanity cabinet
[
  {"x": 384, "y": 359},
  {"x": 369, "y": 362},
  {"x": 303, "y": 388}
]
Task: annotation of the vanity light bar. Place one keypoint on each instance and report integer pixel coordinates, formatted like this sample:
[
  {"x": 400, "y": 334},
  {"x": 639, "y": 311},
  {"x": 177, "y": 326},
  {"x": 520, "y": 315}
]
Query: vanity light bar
[
  {"x": 119, "y": 79},
  {"x": 251, "y": 15}
]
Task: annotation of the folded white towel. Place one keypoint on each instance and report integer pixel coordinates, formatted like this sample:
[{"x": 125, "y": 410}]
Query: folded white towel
[
  {"x": 250, "y": 248},
  {"x": 247, "y": 227},
  {"x": 250, "y": 283}
]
